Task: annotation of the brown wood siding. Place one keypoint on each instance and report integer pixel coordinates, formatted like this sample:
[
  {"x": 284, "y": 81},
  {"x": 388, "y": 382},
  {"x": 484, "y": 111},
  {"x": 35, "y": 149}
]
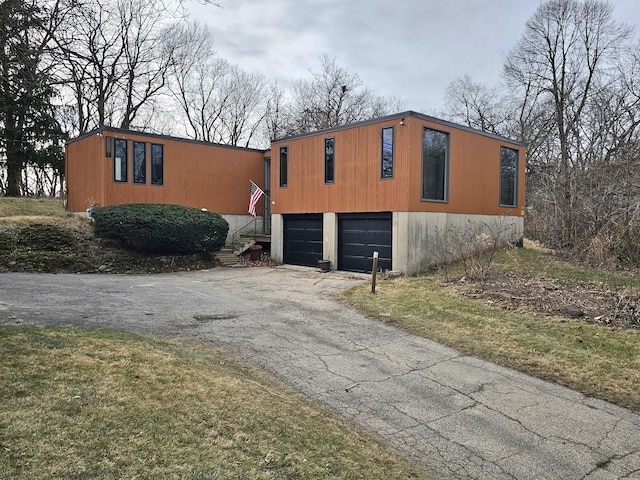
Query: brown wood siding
[
  {"x": 474, "y": 172},
  {"x": 357, "y": 187},
  {"x": 195, "y": 174},
  {"x": 84, "y": 173}
]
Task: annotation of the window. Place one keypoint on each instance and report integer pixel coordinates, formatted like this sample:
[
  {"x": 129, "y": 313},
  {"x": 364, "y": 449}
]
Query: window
[
  {"x": 508, "y": 177},
  {"x": 139, "y": 162},
  {"x": 435, "y": 165},
  {"x": 108, "y": 146},
  {"x": 284, "y": 165},
  {"x": 157, "y": 164},
  {"x": 120, "y": 160},
  {"x": 386, "y": 162},
  {"x": 329, "y": 160}
]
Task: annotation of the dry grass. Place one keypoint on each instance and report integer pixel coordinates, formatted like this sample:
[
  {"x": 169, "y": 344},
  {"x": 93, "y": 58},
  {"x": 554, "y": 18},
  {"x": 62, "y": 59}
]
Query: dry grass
[
  {"x": 80, "y": 404},
  {"x": 600, "y": 361},
  {"x": 30, "y": 207}
]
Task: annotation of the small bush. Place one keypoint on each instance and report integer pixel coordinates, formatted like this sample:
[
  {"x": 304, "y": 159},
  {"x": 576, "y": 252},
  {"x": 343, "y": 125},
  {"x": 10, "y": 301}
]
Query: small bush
[
  {"x": 44, "y": 236},
  {"x": 155, "y": 228}
]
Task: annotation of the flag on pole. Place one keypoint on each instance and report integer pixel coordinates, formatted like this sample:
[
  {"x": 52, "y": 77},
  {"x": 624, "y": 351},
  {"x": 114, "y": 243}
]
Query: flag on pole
[{"x": 256, "y": 194}]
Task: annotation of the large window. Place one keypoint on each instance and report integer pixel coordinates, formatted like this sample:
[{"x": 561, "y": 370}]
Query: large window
[
  {"x": 120, "y": 160},
  {"x": 284, "y": 166},
  {"x": 435, "y": 165},
  {"x": 329, "y": 160},
  {"x": 139, "y": 162},
  {"x": 157, "y": 164},
  {"x": 386, "y": 161},
  {"x": 508, "y": 177}
]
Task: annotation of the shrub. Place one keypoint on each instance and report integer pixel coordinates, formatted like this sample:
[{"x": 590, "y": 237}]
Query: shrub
[
  {"x": 45, "y": 236},
  {"x": 7, "y": 240},
  {"x": 155, "y": 228}
]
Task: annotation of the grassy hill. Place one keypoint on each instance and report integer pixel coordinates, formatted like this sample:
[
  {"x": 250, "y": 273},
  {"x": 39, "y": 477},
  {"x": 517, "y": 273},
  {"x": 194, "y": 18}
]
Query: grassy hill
[{"x": 37, "y": 235}]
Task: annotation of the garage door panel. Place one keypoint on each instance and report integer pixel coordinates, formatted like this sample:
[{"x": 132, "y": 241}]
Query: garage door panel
[
  {"x": 359, "y": 235},
  {"x": 303, "y": 239}
]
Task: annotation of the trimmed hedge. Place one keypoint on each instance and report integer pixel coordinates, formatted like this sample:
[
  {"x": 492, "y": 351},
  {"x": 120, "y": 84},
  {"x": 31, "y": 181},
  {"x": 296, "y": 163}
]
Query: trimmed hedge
[{"x": 157, "y": 228}]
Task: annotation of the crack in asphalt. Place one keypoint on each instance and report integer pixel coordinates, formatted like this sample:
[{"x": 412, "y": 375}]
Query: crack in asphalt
[{"x": 456, "y": 415}]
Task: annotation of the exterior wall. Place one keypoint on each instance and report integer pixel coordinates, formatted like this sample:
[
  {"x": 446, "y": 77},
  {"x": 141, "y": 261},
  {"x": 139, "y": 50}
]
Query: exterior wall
[
  {"x": 357, "y": 186},
  {"x": 330, "y": 236},
  {"x": 474, "y": 170},
  {"x": 277, "y": 237},
  {"x": 414, "y": 235},
  {"x": 239, "y": 224},
  {"x": 196, "y": 174},
  {"x": 85, "y": 173}
]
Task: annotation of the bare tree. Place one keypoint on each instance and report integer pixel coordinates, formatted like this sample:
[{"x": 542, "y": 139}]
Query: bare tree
[
  {"x": 334, "y": 96},
  {"x": 563, "y": 59},
  {"x": 246, "y": 109},
  {"x": 219, "y": 102},
  {"x": 475, "y": 105},
  {"x": 115, "y": 55}
]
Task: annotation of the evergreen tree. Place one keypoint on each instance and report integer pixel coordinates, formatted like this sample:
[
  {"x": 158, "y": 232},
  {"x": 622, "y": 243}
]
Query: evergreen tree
[{"x": 29, "y": 132}]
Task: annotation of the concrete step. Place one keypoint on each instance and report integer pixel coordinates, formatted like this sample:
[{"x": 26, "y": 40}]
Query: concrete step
[
  {"x": 244, "y": 245},
  {"x": 227, "y": 257}
]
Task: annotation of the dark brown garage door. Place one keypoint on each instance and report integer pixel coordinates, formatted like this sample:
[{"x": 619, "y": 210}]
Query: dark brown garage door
[
  {"x": 361, "y": 234},
  {"x": 303, "y": 239}
]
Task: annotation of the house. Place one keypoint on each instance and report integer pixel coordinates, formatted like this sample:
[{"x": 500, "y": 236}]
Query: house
[
  {"x": 385, "y": 185},
  {"x": 388, "y": 185},
  {"x": 110, "y": 166}
]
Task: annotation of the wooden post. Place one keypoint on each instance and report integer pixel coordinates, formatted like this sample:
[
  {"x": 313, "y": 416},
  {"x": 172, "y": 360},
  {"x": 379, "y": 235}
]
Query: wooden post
[{"x": 374, "y": 270}]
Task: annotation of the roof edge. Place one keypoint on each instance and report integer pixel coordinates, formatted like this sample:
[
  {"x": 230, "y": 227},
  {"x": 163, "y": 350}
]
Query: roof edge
[
  {"x": 106, "y": 129},
  {"x": 406, "y": 113}
]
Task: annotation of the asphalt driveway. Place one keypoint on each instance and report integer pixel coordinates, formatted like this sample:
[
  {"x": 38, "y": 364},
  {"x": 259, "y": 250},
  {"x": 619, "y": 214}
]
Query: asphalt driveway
[{"x": 460, "y": 417}]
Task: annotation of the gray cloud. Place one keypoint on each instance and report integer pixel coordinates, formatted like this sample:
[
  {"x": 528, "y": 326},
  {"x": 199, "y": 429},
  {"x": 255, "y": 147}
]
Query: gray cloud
[{"x": 407, "y": 48}]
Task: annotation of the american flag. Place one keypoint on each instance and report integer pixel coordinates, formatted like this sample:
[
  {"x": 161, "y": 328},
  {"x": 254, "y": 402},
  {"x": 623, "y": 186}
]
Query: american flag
[{"x": 256, "y": 194}]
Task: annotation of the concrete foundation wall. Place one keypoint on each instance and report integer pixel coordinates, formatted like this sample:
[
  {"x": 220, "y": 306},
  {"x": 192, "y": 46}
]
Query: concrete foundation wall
[
  {"x": 277, "y": 237},
  {"x": 240, "y": 224},
  {"x": 330, "y": 238},
  {"x": 415, "y": 235}
]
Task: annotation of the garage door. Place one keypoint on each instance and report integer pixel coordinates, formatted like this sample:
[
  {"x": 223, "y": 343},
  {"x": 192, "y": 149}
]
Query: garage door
[
  {"x": 361, "y": 234},
  {"x": 303, "y": 239}
]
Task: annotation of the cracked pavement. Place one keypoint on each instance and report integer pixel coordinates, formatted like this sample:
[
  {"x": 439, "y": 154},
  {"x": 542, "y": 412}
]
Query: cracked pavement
[{"x": 458, "y": 416}]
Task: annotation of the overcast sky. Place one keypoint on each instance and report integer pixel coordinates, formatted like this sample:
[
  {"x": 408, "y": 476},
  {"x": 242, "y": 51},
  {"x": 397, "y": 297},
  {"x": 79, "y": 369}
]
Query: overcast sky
[{"x": 408, "y": 48}]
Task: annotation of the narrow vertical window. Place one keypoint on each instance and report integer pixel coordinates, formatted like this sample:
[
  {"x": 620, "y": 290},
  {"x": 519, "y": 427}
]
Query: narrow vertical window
[
  {"x": 120, "y": 160},
  {"x": 139, "y": 162},
  {"x": 508, "y": 177},
  {"x": 435, "y": 165},
  {"x": 108, "y": 146},
  {"x": 386, "y": 160},
  {"x": 284, "y": 166},
  {"x": 329, "y": 160},
  {"x": 157, "y": 164}
]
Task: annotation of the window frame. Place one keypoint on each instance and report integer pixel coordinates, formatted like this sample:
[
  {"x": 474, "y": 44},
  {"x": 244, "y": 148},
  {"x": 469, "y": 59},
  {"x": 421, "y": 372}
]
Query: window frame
[
  {"x": 446, "y": 171},
  {"x": 143, "y": 180},
  {"x": 154, "y": 179},
  {"x": 383, "y": 175},
  {"x": 513, "y": 182},
  {"x": 330, "y": 161},
  {"x": 124, "y": 174},
  {"x": 283, "y": 160}
]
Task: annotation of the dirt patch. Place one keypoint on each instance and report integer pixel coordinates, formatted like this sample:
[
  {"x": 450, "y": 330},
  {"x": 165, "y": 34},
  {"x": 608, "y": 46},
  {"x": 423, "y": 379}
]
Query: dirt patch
[{"x": 590, "y": 302}]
